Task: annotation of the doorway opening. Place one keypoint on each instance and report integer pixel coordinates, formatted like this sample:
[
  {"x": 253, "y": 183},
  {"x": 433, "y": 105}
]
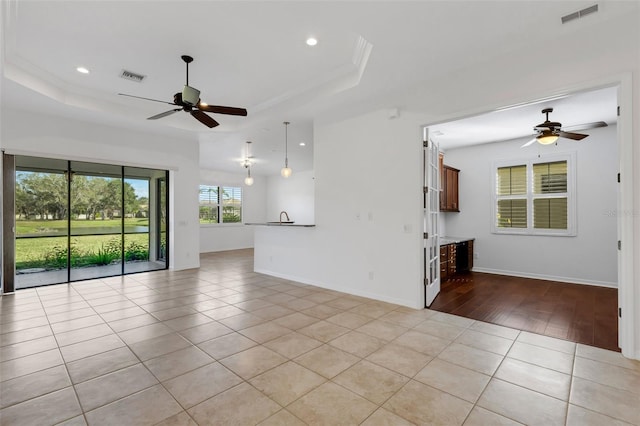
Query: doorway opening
[{"x": 590, "y": 259}]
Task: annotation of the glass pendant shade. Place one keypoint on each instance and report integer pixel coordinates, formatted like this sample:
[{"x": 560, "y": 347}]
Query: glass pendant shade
[
  {"x": 247, "y": 164},
  {"x": 286, "y": 171},
  {"x": 547, "y": 138}
]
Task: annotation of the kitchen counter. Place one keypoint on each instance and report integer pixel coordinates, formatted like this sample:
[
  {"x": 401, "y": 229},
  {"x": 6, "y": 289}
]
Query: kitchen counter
[
  {"x": 453, "y": 240},
  {"x": 291, "y": 224}
]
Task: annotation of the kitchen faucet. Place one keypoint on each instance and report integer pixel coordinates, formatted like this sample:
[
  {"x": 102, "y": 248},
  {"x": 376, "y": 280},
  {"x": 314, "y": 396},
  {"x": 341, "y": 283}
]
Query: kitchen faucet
[{"x": 286, "y": 215}]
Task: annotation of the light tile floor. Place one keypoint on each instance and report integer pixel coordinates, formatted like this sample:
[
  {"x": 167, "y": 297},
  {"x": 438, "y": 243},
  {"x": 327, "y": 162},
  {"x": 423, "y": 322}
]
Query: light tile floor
[{"x": 223, "y": 345}]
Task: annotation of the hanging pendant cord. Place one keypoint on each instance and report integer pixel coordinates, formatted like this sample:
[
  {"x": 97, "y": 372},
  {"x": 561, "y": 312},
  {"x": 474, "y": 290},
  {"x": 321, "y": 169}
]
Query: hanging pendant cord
[{"x": 286, "y": 144}]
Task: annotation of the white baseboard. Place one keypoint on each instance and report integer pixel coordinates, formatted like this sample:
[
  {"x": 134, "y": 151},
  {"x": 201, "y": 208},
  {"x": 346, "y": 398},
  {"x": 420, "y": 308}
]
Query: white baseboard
[
  {"x": 415, "y": 304},
  {"x": 546, "y": 277}
]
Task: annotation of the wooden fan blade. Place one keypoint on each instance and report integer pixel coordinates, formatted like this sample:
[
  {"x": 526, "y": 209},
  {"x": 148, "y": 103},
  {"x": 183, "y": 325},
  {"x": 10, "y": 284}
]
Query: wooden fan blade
[
  {"x": 574, "y": 136},
  {"x": 217, "y": 109},
  {"x": 586, "y": 126},
  {"x": 146, "y": 99},
  {"x": 163, "y": 114},
  {"x": 531, "y": 142},
  {"x": 204, "y": 118}
]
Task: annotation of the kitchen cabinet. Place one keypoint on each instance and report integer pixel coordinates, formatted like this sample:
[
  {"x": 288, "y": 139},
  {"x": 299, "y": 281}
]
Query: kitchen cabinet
[
  {"x": 456, "y": 256},
  {"x": 447, "y": 261},
  {"x": 449, "y": 189}
]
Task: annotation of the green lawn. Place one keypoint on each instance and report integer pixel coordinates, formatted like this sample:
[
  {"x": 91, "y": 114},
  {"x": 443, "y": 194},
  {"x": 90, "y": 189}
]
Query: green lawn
[
  {"x": 46, "y": 246},
  {"x": 41, "y": 252}
]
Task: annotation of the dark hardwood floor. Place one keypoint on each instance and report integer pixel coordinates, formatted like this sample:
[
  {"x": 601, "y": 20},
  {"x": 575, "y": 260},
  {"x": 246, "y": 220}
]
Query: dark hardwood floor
[{"x": 579, "y": 313}]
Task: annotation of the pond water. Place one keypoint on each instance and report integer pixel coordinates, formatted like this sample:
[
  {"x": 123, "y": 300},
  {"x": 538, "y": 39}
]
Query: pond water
[{"x": 91, "y": 230}]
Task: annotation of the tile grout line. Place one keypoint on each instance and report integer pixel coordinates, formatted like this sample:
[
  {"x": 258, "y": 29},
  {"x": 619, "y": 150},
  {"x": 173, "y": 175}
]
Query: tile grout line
[
  {"x": 159, "y": 382},
  {"x": 64, "y": 362},
  {"x": 492, "y": 377}
]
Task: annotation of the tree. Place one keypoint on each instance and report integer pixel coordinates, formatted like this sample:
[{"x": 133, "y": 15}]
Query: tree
[{"x": 41, "y": 194}]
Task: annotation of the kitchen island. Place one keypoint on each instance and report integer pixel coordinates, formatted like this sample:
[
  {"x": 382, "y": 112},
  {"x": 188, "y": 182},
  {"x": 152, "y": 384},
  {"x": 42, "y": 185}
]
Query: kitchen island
[{"x": 308, "y": 225}]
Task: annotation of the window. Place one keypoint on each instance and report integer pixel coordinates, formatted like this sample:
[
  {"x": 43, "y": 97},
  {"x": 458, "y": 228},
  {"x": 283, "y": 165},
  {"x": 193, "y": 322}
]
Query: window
[
  {"x": 220, "y": 204},
  {"x": 535, "y": 197}
]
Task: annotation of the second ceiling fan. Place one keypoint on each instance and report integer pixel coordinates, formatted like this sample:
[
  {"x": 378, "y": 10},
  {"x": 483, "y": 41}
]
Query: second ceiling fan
[
  {"x": 549, "y": 131},
  {"x": 189, "y": 101}
]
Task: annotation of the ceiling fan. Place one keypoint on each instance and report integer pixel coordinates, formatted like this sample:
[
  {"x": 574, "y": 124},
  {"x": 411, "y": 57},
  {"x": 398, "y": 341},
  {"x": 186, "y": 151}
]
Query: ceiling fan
[
  {"x": 549, "y": 131},
  {"x": 189, "y": 101}
]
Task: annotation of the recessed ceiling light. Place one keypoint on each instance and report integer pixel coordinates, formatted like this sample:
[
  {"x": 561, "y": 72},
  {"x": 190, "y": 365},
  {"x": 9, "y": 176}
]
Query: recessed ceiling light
[
  {"x": 82, "y": 70},
  {"x": 302, "y": 144},
  {"x": 312, "y": 41}
]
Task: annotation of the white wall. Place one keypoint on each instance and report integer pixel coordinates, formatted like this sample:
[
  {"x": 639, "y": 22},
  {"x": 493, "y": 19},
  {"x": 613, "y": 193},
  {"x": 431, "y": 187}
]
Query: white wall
[
  {"x": 589, "y": 257},
  {"x": 220, "y": 237},
  {"x": 56, "y": 137},
  {"x": 590, "y": 57},
  {"x": 368, "y": 235},
  {"x": 295, "y": 195}
]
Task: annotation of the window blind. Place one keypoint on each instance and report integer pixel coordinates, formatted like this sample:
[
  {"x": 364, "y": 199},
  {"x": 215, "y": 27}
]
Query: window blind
[
  {"x": 512, "y": 213},
  {"x": 550, "y": 213},
  {"x": 533, "y": 196},
  {"x": 512, "y": 180},
  {"x": 549, "y": 178},
  {"x": 231, "y": 204},
  {"x": 208, "y": 200}
]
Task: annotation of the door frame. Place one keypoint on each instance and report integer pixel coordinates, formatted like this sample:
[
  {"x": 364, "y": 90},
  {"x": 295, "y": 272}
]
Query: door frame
[
  {"x": 628, "y": 290},
  {"x": 431, "y": 225}
]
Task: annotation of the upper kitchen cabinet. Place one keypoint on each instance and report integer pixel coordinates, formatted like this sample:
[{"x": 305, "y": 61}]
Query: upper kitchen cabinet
[{"x": 448, "y": 187}]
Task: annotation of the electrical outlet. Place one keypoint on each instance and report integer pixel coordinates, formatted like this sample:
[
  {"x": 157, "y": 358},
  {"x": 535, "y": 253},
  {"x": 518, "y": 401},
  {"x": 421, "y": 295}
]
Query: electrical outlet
[
  {"x": 371, "y": 275},
  {"x": 476, "y": 255}
]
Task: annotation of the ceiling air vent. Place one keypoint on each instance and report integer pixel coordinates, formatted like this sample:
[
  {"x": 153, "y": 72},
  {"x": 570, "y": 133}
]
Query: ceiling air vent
[
  {"x": 579, "y": 14},
  {"x": 132, "y": 76}
]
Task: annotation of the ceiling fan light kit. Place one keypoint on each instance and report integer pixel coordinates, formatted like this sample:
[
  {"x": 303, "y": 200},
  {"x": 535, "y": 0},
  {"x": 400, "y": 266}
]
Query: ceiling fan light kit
[
  {"x": 550, "y": 131},
  {"x": 547, "y": 137},
  {"x": 189, "y": 101},
  {"x": 286, "y": 171}
]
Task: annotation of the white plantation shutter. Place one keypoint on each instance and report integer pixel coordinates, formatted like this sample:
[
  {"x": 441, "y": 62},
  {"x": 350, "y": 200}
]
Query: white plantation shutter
[
  {"x": 512, "y": 180},
  {"x": 535, "y": 197},
  {"x": 550, "y": 178},
  {"x": 550, "y": 210},
  {"x": 512, "y": 213},
  {"x": 550, "y": 213},
  {"x": 231, "y": 204},
  {"x": 511, "y": 189},
  {"x": 220, "y": 204},
  {"x": 208, "y": 200}
]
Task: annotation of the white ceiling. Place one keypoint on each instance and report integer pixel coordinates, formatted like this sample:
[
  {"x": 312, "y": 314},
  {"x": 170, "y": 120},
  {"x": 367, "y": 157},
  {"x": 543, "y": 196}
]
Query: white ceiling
[
  {"x": 512, "y": 122},
  {"x": 253, "y": 55}
]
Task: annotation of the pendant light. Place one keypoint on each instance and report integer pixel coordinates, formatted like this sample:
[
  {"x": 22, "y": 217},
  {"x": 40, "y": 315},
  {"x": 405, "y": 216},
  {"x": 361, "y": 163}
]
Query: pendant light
[
  {"x": 286, "y": 171},
  {"x": 247, "y": 164}
]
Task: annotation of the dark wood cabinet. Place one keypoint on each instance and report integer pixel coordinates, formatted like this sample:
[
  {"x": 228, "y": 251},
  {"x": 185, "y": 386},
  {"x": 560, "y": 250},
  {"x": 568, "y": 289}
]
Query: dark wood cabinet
[
  {"x": 444, "y": 262},
  {"x": 449, "y": 189},
  {"x": 455, "y": 258}
]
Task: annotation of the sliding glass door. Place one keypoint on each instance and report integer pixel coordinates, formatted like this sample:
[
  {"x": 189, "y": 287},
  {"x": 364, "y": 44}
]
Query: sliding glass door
[
  {"x": 143, "y": 216},
  {"x": 41, "y": 221},
  {"x": 96, "y": 220},
  {"x": 79, "y": 220}
]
